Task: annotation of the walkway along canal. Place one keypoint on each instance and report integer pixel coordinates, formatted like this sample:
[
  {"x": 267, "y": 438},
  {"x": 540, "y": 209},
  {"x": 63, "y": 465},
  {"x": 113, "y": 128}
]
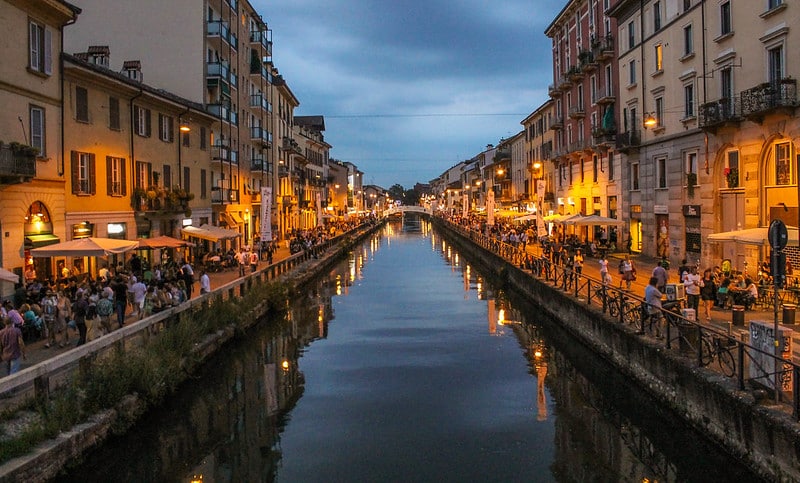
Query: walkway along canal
[
  {"x": 78, "y": 397},
  {"x": 680, "y": 369},
  {"x": 406, "y": 363}
]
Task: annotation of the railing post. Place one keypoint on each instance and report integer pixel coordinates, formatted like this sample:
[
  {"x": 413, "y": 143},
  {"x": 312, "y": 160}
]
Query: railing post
[
  {"x": 796, "y": 392},
  {"x": 740, "y": 349}
]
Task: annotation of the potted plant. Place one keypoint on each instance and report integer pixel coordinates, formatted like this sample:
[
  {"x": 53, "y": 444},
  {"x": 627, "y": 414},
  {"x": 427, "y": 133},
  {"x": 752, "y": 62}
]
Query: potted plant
[{"x": 732, "y": 177}]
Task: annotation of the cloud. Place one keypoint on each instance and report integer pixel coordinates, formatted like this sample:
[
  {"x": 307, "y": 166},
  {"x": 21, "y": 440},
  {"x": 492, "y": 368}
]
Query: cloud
[{"x": 385, "y": 74}]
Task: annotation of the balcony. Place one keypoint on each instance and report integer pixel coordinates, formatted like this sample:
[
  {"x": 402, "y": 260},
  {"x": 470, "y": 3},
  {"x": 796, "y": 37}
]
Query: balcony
[
  {"x": 577, "y": 112},
  {"x": 566, "y": 83},
  {"x": 222, "y": 153},
  {"x": 291, "y": 146},
  {"x": 17, "y": 163},
  {"x": 604, "y": 138},
  {"x": 260, "y": 164},
  {"x": 552, "y": 91},
  {"x": 557, "y": 124},
  {"x": 769, "y": 98},
  {"x": 719, "y": 113},
  {"x": 221, "y": 112},
  {"x": 283, "y": 171},
  {"x": 575, "y": 73},
  {"x": 261, "y": 135},
  {"x": 224, "y": 195},
  {"x": 219, "y": 74},
  {"x": 604, "y": 98},
  {"x": 262, "y": 38},
  {"x": 577, "y": 147},
  {"x": 258, "y": 68},
  {"x": 628, "y": 141},
  {"x": 219, "y": 29},
  {"x": 160, "y": 200},
  {"x": 586, "y": 61},
  {"x": 603, "y": 47},
  {"x": 260, "y": 101}
]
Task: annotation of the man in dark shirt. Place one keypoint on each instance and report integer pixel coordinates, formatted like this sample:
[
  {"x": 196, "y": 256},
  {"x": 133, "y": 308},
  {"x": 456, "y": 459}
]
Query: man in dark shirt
[{"x": 120, "y": 289}]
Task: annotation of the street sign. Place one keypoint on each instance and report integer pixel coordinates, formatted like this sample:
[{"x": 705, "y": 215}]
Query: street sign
[{"x": 777, "y": 235}]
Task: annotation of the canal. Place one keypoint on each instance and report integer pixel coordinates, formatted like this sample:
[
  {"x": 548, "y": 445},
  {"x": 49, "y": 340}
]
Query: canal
[{"x": 404, "y": 363}]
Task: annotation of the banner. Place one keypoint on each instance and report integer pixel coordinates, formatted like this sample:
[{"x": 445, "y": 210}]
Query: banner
[
  {"x": 540, "y": 187},
  {"x": 266, "y": 214},
  {"x": 465, "y": 205},
  {"x": 319, "y": 209},
  {"x": 490, "y": 207}
]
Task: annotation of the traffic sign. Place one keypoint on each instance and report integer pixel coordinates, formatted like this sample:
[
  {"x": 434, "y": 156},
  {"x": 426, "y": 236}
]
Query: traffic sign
[{"x": 777, "y": 235}]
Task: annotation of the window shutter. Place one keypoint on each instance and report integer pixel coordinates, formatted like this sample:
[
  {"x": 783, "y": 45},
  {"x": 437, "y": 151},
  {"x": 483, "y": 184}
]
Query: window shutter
[
  {"x": 92, "y": 175},
  {"x": 109, "y": 178},
  {"x": 33, "y": 54},
  {"x": 48, "y": 51},
  {"x": 147, "y": 129},
  {"x": 74, "y": 169},
  {"x": 171, "y": 123},
  {"x": 136, "y": 124},
  {"x": 161, "y": 127},
  {"x": 123, "y": 179}
]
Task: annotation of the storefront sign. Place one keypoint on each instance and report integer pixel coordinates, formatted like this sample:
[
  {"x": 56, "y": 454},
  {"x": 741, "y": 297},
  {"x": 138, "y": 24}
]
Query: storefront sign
[
  {"x": 691, "y": 211},
  {"x": 661, "y": 209},
  {"x": 82, "y": 230}
]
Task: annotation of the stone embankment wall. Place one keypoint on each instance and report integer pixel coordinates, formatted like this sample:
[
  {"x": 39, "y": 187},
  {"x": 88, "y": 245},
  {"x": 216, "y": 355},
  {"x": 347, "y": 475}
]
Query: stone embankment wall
[
  {"x": 763, "y": 436},
  {"x": 50, "y": 457}
]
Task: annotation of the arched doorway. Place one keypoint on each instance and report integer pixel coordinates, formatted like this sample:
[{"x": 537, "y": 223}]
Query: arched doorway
[{"x": 38, "y": 231}]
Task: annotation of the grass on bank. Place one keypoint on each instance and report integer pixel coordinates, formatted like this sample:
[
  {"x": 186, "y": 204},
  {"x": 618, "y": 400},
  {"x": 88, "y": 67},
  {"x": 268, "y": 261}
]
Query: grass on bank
[{"x": 151, "y": 372}]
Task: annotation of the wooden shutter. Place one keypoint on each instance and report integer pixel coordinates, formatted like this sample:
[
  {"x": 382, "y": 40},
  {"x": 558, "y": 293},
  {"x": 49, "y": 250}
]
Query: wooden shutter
[
  {"x": 123, "y": 179},
  {"x": 186, "y": 179},
  {"x": 171, "y": 134},
  {"x": 136, "y": 114},
  {"x": 113, "y": 113},
  {"x": 147, "y": 130},
  {"x": 76, "y": 186},
  {"x": 109, "y": 178},
  {"x": 92, "y": 175},
  {"x": 48, "y": 51}
]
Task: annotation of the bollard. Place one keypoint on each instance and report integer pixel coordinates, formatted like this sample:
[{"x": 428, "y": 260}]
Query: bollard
[
  {"x": 789, "y": 311},
  {"x": 738, "y": 315}
]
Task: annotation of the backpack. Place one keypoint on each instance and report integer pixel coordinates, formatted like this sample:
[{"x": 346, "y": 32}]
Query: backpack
[{"x": 105, "y": 307}]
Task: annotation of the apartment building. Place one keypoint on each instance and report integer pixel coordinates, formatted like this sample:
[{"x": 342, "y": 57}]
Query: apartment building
[
  {"x": 538, "y": 146},
  {"x": 312, "y": 164},
  {"x": 709, "y": 111},
  {"x": 584, "y": 90},
  {"x": 137, "y": 159},
  {"x": 521, "y": 187},
  {"x": 218, "y": 55},
  {"x": 32, "y": 164}
]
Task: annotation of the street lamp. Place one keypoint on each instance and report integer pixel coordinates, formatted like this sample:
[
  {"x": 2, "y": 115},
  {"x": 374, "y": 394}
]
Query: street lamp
[{"x": 649, "y": 120}]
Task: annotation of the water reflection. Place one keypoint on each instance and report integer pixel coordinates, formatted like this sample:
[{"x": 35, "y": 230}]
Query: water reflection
[{"x": 580, "y": 420}]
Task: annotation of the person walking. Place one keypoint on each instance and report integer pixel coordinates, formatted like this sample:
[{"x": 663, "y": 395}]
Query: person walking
[
  {"x": 243, "y": 260},
  {"x": 188, "y": 278},
  {"x": 270, "y": 251},
  {"x": 661, "y": 274},
  {"x": 708, "y": 293},
  {"x": 49, "y": 315},
  {"x": 120, "y": 289},
  {"x": 577, "y": 262},
  {"x": 604, "y": 275},
  {"x": 80, "y": 309},
  {"x": 693, "y": 283},
  {"x": 12, "y": 347},
  {"x": 205, "y": 283},
  {"x": 652, "y": 299},
  {"x": 105, "y": 308},
  {"x": 628, "y": 272},
  {"x": 253, "y": 261}
]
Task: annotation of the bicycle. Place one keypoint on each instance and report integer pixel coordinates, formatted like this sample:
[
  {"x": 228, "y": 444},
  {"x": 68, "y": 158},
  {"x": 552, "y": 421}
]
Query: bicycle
[{"x": 719, "y": 349}]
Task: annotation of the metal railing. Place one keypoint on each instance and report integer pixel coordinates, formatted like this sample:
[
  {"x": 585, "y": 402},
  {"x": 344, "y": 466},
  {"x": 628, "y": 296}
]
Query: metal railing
[{"x": 706, "y": 346}]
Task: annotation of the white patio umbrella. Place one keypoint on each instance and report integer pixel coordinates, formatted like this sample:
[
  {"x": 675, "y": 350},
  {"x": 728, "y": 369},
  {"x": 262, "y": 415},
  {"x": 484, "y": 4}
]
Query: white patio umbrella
[
  {"x": 752, "y": 236},
  {"x": 85, "y": 247},
  {"x": 8, "y": 276},
  {"x": 597, "y": 220}
]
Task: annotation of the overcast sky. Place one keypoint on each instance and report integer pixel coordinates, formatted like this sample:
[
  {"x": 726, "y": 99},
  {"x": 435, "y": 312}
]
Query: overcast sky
[{"x": 409, "y": 88}]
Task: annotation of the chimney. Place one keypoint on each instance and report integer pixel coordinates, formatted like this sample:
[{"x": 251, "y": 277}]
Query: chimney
[
  {"x": 133, "y": 69},
  {"x": 99, "y": 55}
]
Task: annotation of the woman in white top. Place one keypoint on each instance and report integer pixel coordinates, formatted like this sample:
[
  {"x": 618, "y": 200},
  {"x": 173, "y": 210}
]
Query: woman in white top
[
  {"x": 628, "y": 272},
  {"x": 604, "y": 276}
]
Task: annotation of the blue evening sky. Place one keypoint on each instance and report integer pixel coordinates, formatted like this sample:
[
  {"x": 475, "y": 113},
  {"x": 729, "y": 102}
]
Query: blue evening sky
[{"x": 410, "y": 88}]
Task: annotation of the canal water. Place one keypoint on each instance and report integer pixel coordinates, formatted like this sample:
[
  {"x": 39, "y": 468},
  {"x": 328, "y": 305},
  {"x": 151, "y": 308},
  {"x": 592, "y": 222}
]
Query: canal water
[{"x": 405, "y": 364}]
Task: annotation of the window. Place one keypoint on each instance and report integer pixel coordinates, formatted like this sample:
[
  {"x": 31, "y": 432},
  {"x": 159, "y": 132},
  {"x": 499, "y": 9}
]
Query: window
[
  {"x": 37, "y": 129},
  {"x": 635, "y": 176},
  {"x": 661, "y": 172},
  {"x": 687, "y": 4},
  {"x": 144, "y": 174},
  {"x": 113, "y": 113},
  {"x": 81, "y": 104},
  {"x": 732, "y": 165},
  {"x": 187, "y": 139},
  {"x": 115, "y": 176},
  {"x": 783, "y": 165},
  {"x": 595, "y": 168},
  {"x": 726, "y": 88},
  {"x": 775, "y": 55},
  {"x": 774, "y": 3},
  {"x": 631, "y": 35},
  {"x": 656, "y": 16},
  {"x": 612, "y": 206},
  {"x": 658, "y": 57},
  {"x": 593, "y": 88},
  {"x": 659, "y": 111},
  {"x": 609, "y": 88},
  {"x": 142, "y": 121},
  {"x": 582, "y": 170},
  {"x": 632, "y": 72},
  {"x": 691, "y": 163},
  {"x": 166, "y": 131},
  {"x": 688, "y": 41},
  {"x": 40, "y": 48},
  {"x": 83, "y": 173},
  {"x": 688, "y": 101},
  {"x": 611, "y": 173},
  {"x": 203, "y": 184},
  {"x": 203, "y": 138},
  {"x": 725, "y": 26}
]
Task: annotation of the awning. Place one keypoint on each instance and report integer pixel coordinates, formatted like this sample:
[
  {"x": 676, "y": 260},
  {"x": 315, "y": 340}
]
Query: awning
[
  {"x": 230, "y": 218},
  {"x": 235, "y": 217},
  {"x": 36, "y": 241},
  {"x": 210, "y": 233}
]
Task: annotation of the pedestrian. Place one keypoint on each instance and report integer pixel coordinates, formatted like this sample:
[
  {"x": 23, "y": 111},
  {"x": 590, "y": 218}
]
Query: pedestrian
[
  {"x": 188, "y": 278},
  {"x": 138, "y": 289},
  {"x": 63, "y": 316},
  {"x": 120, "y": 289},
  {"x": 604, "y": 275},
  {"x": 244, "y": 260},
  {"x": 253, "y": 261},
  {"x": 270, "y": 251},
  {"x": 628, "y": 271},
  {"x": 708, "y": 293},
  {"x": 205, "y": 282},
  {"x": 80, "y": 309},
  {"x": 577, "y": 262},
  {"x": 50, "y": 315},
  {"x": 105, "y": 308},
  {"x": 661, "y": 274},
  {"x": 693, "y": 283},
  {"x": 12, "y": 348},
  {"x": 652, "y": 299}
]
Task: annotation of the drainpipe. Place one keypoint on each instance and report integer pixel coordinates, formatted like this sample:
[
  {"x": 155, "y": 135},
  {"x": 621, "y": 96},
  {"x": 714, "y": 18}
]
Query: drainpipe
[
  {"x": 180, "y": 142},
  {"x": 63, "y": 92},
  {"x": 132, "y": 149}
]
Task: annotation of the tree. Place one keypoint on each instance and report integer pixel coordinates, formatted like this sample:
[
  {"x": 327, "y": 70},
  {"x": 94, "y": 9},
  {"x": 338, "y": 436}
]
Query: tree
[
  {"x": 411, "y": 197},
  {"x": 397, "y": 192}
]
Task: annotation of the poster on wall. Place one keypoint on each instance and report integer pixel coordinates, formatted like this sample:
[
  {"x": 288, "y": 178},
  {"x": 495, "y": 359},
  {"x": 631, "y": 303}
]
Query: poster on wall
[
  {"x": 540, "y": 188},
  {"x": 465, "y": 205},
  {"x": 266, "y": 214},
  {"x": 318, "y": 202},
  {"x": 490, "y": 208}
]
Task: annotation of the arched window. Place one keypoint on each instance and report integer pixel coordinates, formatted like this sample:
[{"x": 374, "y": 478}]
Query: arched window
[
  {"x": 780, "y": 160},
  {"x": 37, "y": 220}
]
